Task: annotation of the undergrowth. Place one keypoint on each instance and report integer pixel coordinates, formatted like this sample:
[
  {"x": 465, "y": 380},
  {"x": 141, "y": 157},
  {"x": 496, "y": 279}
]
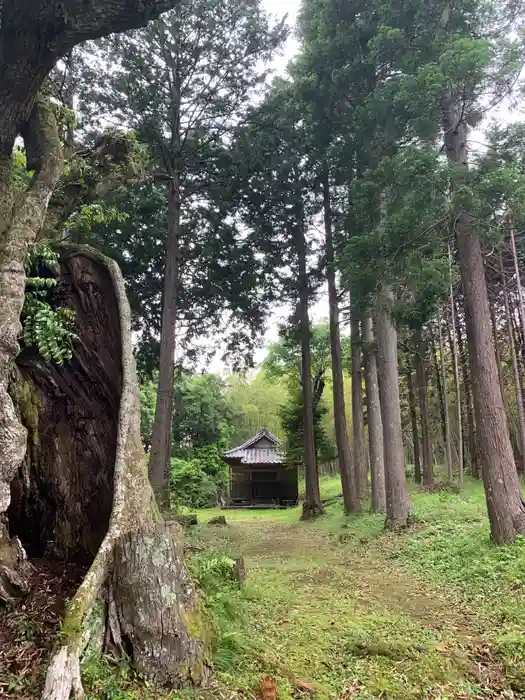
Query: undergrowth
[{"x": 340, "y": 609}]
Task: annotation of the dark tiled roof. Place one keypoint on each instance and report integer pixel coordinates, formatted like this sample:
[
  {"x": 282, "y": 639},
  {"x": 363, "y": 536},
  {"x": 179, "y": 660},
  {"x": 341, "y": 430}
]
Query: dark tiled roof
[{"x": 249, "y": 453}]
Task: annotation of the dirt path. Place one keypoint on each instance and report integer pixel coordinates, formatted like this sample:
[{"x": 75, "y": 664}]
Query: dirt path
[{"x": 348, "y": 624}]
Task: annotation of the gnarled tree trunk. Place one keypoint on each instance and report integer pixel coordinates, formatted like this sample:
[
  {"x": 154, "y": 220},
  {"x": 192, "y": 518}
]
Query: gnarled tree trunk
[{"x": 85, "y": 491}]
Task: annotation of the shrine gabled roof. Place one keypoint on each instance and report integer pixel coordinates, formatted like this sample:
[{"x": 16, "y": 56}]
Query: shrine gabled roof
[{"x": 249, "y": 453}]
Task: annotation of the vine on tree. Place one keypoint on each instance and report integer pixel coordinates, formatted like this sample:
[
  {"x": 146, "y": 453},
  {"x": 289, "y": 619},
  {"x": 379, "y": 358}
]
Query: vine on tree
[{"x": 48, "y": 329}]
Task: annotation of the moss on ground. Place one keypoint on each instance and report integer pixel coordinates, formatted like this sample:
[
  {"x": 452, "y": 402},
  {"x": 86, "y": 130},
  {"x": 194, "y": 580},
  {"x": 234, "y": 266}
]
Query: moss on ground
[{"x": 343, "y": 608}]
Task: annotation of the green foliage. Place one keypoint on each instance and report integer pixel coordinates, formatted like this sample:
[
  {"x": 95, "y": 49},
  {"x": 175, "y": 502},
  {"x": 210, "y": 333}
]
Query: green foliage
[
  {"x": 46, "y": 328},
  {"x": 292, "y": 420},
  {"x": 190, "y": 485}
]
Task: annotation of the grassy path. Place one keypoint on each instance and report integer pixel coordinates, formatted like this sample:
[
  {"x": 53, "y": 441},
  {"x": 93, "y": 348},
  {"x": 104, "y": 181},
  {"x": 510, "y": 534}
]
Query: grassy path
[{"x": 342, "y": 620}]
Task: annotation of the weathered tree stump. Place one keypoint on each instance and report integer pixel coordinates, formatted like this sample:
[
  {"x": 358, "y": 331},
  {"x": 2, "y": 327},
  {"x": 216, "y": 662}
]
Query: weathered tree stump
[
  {"x": 156, "y": 608},
  {"x": 239, "y": 570},
  {"x": 217, "y": 520},
  {"x": 184, "y": 520}
]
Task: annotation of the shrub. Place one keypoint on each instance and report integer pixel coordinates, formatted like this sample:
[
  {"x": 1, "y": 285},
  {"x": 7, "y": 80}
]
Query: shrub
[{"x": 190, "y": 485}]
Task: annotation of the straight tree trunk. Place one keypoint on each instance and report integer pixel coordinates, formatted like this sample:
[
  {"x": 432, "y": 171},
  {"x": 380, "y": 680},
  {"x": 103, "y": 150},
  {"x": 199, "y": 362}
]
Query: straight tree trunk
[
  {"x": 454, "y": 350},
  {"x": 159, "y": 468},
  {"x": 499, "y": 362},
  {"x": 505, "y": 504},
  {"x": 439, "y": 386},
  {"x": 358, "y": 428},
  {"x": 469, "y": 406},
  {"x": 414, "y": 423},
  {"x": 515, "y": 366},
  {"x": 422, "y": 393},
  {"x": 350, "y": 495},
  {"x": 519, "y": 288},
  {"x": 448, "y": 439},
  {"x": 375, "y": 423},
  {"x": 312, "y": 503},
  {"x": 397, "y": 497}
]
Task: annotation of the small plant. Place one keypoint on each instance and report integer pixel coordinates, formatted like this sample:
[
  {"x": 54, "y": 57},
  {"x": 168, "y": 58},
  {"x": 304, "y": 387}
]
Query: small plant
[{"x": 47, "y": 329}]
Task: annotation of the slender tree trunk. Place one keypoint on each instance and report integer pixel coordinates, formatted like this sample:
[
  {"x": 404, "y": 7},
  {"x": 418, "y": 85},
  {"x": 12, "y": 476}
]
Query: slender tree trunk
[
  {"x": 502, "y": 487},
  {"x": 350, "y": 495},
  {"x": 439, "y": 386},
  {"x": 519, "y": 288},
  {"x": 159, "y": 468},
  {"x": 413, "y": 421},
  {"x": 448, "y": 440},
  {"x": 499, "y": 362},
  {"x": 358, "y": 428},
  {"x": 422, "y": 393},
  {"x": 454, "y": 350},
  {"x": 515, "y": 366},
  {"x": 469, "y": 406},
  {"x": 312, "y": 503},
  {"x": 397, "y": 497},
  {"x": 375, "y": 424}
]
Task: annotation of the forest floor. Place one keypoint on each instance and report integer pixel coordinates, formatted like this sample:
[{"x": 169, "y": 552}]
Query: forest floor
[{"x": 337, "y": 609}]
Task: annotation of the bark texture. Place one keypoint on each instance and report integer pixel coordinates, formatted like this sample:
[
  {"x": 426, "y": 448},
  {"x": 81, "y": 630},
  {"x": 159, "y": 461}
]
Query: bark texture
[
  {"x": 502, "y": 487},
  {"x": 312, "y": 506},
  {"x": 422, "y": 393},
  {"x": 131, "y": 509},
  {"x": 397, "y": 497},
  {"x": 161, "y": 438},
  {"x": 414, "y": 423},
  {"x": 375, "y": 423},
  {"x": 20, "y": 231},
  {"x": 358, "y": 426},
  {"x": 350, "y": 495},
  {"x": 155, "y": 621}
]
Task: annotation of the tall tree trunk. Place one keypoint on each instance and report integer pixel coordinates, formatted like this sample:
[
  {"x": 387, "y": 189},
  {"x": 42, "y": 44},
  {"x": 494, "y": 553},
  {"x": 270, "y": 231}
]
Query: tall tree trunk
[
  {"x": 350, "y": 495},
  {"x": 515, "y": 366},
  {"x": 448, "y": 439},
  {"x": 397, "y": 497},
  {"x": 358, "y": 427},
  {"x": 469, "y": 406},
  {"x": 502, "y": 487},
  {"x": 159, "y": 468},
  {"x": 375, "y": 423},
  {"x": 499, "y": 363},
  {"x": 519, "y": 288},
  {"x": 312, "y": 503},
  {"x": 455, "y": 360},
  {"x": 413, "y": 421},
  {"x": 439, "y": 386},
  {"x": 422, "y": 393}
]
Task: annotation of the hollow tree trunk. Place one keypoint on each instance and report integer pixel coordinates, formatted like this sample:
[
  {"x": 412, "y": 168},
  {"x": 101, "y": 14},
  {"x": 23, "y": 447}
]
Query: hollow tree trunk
[
  {"x": 375, "y": 425},
  {"x": 312, "y": 503},
  {"x": 505, "y": 505},
  {"x": 350, "y": 495},
  {"x": 97, "y": 503},
  {"x": 397, "y": 497},
  {"x": 358, "y": 427},
  {"x": 159, "y": 467},
  {"x": 413, "y": 421},
  {"x": 422, "y": 393}
]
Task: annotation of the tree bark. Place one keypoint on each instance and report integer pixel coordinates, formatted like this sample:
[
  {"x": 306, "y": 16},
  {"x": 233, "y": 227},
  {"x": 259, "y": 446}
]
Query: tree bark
[
  {"x": 469, "y": 406},
  {"x": 375, "y": 425},
  {"x": 502, "y": 488},
  {"x": 515, "y": 366},
  {"x": 350, "y": 495},
  {"x": 414, "y": 423},
  {"x": 448, "y": 439},
  {"x": 160, "y": 459},
  {"x": 312, "y": 506},
  {"x": 439, "y": 386},
  {"x": 422, "y": 393},
  {"x": 455, "y": 360},
  {"x": 397, "y": 497},
  {"x": 358, "y": 427},
  {"x": 45, "y": 156},
  {"x": 132, "y": 512}
]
